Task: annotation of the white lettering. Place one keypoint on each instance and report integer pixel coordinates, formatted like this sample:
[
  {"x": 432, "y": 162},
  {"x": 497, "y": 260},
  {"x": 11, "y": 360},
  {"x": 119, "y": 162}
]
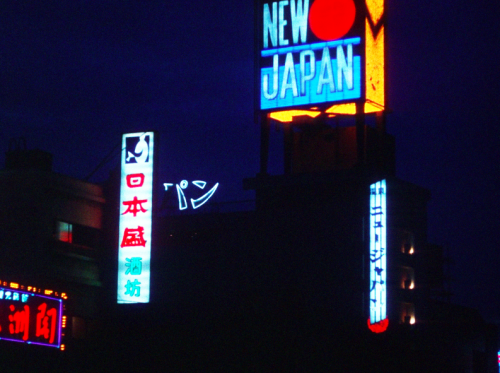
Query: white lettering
[
  {"x": 303, "y": 74},
  {"x": 289, "y": 72},
  {"x": 326, "y": 68},
  {"x": 282, "y": 22},
  {"x": 344, "y": 67},
  {"x": 265, "y": 82},
  {"x": 270, "y": 26},
  {"x": 299, "y": 20}
]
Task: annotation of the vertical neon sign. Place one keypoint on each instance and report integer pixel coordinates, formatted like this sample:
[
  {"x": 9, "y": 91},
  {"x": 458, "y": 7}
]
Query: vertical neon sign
[
  {"x": 378, "y": 257},
  {"x": 136, "y": 194}
]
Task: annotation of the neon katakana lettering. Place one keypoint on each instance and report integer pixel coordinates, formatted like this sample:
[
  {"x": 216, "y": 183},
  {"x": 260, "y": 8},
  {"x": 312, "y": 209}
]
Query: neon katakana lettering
[
  {"x": 20, "y": 321},
  {"x": 133, "y": 237},
  {"x": 196, "y": 203},
  {"x": 134, "y": 266},
  {"x": 134, "y": 206},
  {"x": 42, "y": 322},
  {"x": 133, "y": 288}
]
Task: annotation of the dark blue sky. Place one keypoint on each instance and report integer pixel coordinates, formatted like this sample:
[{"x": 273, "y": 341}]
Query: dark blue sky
[{"x": 76, "y": 74}]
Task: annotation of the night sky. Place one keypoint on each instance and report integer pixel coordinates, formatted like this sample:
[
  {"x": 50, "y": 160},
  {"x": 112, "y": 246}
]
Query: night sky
[{"x": 76, "y": 74}]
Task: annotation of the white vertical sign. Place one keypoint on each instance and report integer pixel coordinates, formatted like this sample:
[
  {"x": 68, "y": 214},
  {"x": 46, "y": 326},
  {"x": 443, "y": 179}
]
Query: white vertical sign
[
  {"x": 378, "y": 252},
  {"x": 136, "y": 194}
]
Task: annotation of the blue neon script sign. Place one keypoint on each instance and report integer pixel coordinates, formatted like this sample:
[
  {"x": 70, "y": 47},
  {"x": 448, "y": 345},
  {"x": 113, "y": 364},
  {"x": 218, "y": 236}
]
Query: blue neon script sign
[
  {"x": 196, "y": 203},
  {"x": 378, "y": 252}
]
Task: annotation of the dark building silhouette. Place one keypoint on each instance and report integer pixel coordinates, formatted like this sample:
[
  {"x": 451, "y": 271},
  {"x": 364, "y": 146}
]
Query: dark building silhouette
[{"x": 283, "y": 287}]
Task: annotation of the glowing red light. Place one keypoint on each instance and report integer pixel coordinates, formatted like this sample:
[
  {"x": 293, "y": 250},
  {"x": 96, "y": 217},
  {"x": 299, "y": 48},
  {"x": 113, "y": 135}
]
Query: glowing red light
[
  {"x": 378, "y": 327},
  {"x": 331, "y": 19}
]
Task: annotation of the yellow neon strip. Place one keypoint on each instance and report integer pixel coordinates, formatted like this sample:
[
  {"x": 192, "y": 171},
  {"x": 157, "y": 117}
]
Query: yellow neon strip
[
  {"x": 287, "y": 116},
  {"x": 375, "y": 68},
  {"x": 375, "y": 9},
  {"x": 375, "y": 79},
  {"x": 346, "y": 109}
]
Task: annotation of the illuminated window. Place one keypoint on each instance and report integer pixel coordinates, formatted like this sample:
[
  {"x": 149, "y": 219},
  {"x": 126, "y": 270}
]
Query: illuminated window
[
  {"x": 77, "y": 234},
  {"x": 64, "y": 231},
  {"x": 408, "y": 313},
  {"x": 408, "y": 243},
  {"x": 407, "y": 278}
]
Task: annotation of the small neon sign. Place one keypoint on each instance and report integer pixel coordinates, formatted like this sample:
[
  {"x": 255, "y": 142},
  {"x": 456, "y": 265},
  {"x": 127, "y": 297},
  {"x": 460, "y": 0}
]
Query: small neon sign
[{"x": 30, "y": 317}]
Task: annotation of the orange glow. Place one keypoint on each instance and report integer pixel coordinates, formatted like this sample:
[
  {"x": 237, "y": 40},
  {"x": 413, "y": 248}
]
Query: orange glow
[
  {"x": 378, "y": 327},
  {"x": 411, "y": 251},
  {"x": 14, "y": 285},
  {"x": 64, "y": 321},
  {"x": 64, "y": 296},
  {"x": 48, "y": 292},
  {"x": 412, "y": 285},
  {"x": 412, "y": 320},
  {"x": 287, "y": 116},
  {"x": 63, "y": 347}
]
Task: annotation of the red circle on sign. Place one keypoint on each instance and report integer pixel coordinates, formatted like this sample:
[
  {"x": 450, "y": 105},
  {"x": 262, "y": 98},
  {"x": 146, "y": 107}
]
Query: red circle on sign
[{"x": 331, "y": 19}]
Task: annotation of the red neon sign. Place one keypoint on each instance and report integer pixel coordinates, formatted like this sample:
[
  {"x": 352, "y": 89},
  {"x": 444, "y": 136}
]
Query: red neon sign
[
  {"x": 31, "y": 318},
  {"x": 378, "y": 327}
]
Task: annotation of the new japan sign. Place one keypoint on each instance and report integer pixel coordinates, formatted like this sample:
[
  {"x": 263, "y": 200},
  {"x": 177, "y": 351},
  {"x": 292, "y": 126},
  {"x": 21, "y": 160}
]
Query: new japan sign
[
  {"x": 135, "y": 227},
  {"x": 311, "y": 52}
]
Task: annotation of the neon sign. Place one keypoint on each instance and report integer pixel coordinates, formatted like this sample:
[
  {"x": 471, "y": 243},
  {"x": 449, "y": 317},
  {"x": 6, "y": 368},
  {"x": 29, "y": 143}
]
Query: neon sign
[
  {"x": 136, "y": 194},
  {"x": 378, "y": 321},
  {"x": 30, "y": 318},
  {"x": 195, "y": 203},
  {"x": 310, "y": 54}
]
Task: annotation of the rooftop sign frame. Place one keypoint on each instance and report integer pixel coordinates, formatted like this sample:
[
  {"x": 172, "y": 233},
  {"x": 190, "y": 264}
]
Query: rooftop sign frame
[{"x": 301, "y": 68}]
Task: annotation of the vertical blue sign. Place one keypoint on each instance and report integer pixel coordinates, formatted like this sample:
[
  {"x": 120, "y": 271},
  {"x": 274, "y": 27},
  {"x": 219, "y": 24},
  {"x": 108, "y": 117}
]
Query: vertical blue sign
[
  {"x": 135, "y": 229},
  {"x": 378, "y": 252}
]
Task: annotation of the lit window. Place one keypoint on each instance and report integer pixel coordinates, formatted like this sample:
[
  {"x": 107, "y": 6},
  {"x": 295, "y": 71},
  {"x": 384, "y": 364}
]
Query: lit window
[
  {"x": 64, "y": 231},
  {"x": 407, "y": 277},
  {"x": 408, "y": 243},
  {"x": 407, "y": 313}
]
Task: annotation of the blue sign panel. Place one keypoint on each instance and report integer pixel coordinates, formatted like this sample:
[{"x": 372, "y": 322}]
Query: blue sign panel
[
  {"x": 310, "y": 54},
  {"x": 135, "y": 227},
  {"x": 378, "y": 252}
]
